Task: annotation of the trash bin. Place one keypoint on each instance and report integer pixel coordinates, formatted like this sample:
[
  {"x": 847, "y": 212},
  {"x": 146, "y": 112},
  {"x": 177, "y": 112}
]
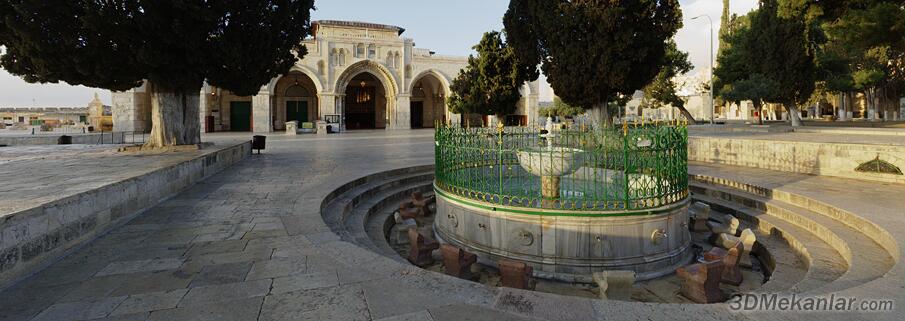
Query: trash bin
[
  {"x": 258, "y": 142},
  {"x": 65, "y": 140}
]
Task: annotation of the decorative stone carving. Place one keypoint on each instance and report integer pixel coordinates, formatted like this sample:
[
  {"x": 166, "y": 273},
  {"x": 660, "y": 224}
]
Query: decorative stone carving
[
  {"x": 457, "y": 262},
  {"x": 702, "y": 281},
  {"x": 420, "y": 248},
  {"x": 731, "y": 272},
  {"x": 879, "y": 166},
  {"x": 615, "y": 285},
  {"x": 514, "y": 274},
  {"x": 700, "y": 214}
]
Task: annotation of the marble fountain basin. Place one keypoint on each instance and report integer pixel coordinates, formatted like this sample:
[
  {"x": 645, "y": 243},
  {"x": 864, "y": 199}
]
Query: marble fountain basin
[{"x": 551, "y": 161}]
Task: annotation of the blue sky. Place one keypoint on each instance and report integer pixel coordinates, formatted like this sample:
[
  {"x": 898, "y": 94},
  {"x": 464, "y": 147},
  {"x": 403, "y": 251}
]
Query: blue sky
[{"x": 447, "y": 27}]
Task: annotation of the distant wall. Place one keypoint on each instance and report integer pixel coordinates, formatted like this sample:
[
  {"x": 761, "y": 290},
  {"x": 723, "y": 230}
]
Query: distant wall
[{"x": 827, "y": 159}]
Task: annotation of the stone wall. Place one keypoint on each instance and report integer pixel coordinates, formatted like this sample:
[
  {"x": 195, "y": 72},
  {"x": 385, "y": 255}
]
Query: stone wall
[
  {"x": 827, "y": 159},
  {"x": 84, "y": 139},
  {"x": 36, "y": 237}
]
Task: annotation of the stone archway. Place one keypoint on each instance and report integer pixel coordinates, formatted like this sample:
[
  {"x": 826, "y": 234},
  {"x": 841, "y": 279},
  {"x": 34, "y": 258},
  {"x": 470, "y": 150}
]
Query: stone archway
[
  {"x": 391, "y": 116},
  {"x": 429, "y": 90},
  {"x": 295, "y": 98}
]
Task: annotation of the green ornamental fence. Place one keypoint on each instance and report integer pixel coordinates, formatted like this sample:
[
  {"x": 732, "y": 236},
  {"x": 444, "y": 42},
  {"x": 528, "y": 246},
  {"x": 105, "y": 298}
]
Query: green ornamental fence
[{"x": 628, "y": 167}]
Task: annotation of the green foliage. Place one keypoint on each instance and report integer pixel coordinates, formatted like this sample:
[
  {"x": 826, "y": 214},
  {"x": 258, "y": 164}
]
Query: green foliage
[
  {"x": 593, "y": 51},
  {"x": 561, "y": 109},
  {"x": 177, "y": 45},
  {"x": 662, "y": 90},
  {"x": 866, "y": 47},
  {"x": 490, "y": 84},
  {"x": 770, "y": 60}
]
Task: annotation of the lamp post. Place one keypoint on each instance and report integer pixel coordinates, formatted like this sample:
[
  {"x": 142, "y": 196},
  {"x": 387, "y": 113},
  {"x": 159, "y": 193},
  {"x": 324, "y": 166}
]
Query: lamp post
[{"x": 712, "y": 107}]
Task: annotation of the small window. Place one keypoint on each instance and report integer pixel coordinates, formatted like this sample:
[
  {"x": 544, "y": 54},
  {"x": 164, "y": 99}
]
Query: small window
[
  {"x": 360, "y": 51},
  {"x": 372, "y": 51}
]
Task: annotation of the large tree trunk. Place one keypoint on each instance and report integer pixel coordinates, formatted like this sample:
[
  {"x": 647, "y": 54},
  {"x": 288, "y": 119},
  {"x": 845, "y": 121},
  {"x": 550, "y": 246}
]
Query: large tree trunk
[
  {"x": 794, "y": 114},
  {"x": 175, "y": 118},
  {"x": 600, "y": 115},
  {"x": 687, "y": 115}
]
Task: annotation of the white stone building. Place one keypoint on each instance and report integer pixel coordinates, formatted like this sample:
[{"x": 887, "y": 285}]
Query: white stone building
[{"x": 365, "y": 75}]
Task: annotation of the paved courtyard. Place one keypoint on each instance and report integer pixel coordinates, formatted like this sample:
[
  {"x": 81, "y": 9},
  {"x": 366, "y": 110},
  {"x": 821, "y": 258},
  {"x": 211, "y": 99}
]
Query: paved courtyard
[{"x": 250, "y": 244}]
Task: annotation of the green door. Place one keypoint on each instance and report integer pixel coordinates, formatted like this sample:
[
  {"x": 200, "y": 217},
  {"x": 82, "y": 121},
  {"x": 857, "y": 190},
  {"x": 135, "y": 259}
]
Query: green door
[
  {"x": 240, "y": 116},
  {"x": 297, "y": 111}
]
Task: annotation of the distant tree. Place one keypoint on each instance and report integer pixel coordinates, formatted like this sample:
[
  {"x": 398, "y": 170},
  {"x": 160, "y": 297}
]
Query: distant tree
[
  {"x": 866, "y": 50},
  {"x": 591, "y": 51},
  {"x": 754, "y": 88},
  {"x": 561, "y": 109},
  {"x": 662, "y": 91},
  {"x": 490, "y": 83},
  {"x": 771, "y": 59},
  {"x": 173, "y": 45}
]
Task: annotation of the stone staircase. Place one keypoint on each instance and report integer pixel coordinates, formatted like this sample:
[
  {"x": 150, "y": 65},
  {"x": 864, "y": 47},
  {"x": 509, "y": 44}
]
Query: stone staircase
[
  {"x": 840, "y": 251},
  {"x": 353, "y": 214}
]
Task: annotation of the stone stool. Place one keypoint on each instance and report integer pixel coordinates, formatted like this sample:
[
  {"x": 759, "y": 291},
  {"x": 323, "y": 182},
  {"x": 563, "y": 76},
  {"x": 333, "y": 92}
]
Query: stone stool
[
  {"x": 407, "y": 213},
  {"x": 615, "y": 285},
  {"x": 514, "y": 274},
  {"x": 423, "y": 203},
  {"x": 701, "y": 213},
  {"x": 399, "y": 234},
  {"x": 747, "y": 239},
  {"x": 731, "y": 272},
  {"x": 457, "y": 262},
  {"x": 702, "y": 281},
  {"x": 729, "y": 226},
  {"x": 420, "y": 248}
]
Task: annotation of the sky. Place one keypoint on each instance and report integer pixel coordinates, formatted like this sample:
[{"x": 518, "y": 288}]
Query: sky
[{"x": 446, "y": 27}]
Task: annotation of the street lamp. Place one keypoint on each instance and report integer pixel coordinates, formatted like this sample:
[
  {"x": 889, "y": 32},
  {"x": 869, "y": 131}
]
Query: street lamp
[{"x": 712, "y": 107}]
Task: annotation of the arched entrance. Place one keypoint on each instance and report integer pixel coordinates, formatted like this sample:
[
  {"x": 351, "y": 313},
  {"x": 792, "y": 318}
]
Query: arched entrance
[
  {"x": 352, "y": 102},
  {"x": 295, "y": 99},
  {"x": 428, "y": 103},
  {"x": 365, "y": 103}
]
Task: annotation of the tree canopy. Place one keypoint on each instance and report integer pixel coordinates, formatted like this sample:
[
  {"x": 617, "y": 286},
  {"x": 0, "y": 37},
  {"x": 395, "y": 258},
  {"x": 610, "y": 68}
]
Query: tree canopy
[
  {"x": 238, "y": 45},
  {"x": 770, "y": 60},
  {"x": 490, "y": 83},
  {"x": 593, "y": 51},
  {"x": 662, "y": 90}
]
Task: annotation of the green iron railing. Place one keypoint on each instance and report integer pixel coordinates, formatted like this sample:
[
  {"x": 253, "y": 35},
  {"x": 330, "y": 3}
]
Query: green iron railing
[{"x": 623, "y": 168}]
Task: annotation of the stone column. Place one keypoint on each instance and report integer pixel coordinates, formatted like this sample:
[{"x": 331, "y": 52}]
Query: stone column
[
  {"x": 327, "y": 105},
  {"x": 402, "y": 114},
  {"x": 902, "y": 109},
  {"x": 132, "y": 110},
  {"x": 262, "y": 117},
  {"x": 204, "y": 107}
]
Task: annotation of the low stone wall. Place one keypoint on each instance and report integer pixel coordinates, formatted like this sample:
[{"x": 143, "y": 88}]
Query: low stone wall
[
  {"x": 36, "y": 237},
  {"x": 827, "y": 159},
  {"x": 85, "y": 139}
]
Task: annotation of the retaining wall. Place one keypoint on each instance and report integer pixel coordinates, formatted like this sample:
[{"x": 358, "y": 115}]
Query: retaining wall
[
  {"x": 827, "y": 159},
  {"x": 34, "y": 238}
]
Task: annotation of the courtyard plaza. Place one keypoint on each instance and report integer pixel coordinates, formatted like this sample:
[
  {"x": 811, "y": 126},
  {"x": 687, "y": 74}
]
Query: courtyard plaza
[{"x": 250, "y": 243}]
